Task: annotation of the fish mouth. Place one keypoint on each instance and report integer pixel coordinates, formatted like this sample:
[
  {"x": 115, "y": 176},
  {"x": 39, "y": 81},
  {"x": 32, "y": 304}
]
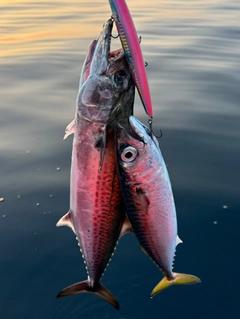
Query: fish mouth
[
  {"x": 102, "y": 56},
  {"x": 129, "y": 131},
  {"x": 106, "y": 89},
  {"x": 134, "y": 129}
]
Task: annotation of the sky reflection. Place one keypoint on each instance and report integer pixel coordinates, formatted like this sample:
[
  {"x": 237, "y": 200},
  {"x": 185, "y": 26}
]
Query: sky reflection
[
  {"x": 192, "y": 49},
  {"x": 30, "y": 27}
]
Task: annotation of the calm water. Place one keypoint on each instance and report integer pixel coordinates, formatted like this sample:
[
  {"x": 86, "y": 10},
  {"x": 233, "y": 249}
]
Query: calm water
[{"x": 193, "y": 52}]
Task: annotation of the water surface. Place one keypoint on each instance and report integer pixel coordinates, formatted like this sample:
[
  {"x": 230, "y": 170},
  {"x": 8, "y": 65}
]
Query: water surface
[{"x": 192, "y": 49}]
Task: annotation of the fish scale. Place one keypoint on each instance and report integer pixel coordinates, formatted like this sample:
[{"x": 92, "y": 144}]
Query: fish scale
[
  {"x": 96, "y": 213},
  {"x": 140, "y": 223},
  {"x": 148, "y": 198},
  {"x": 101, "y": 209}
]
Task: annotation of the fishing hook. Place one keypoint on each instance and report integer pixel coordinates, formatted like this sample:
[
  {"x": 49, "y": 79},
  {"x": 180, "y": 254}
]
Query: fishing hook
[
  {"x": 145, "y": 64},
  {"x": 114, "y": 36},
  {"x": 161, "y": 134},
  {"x": 150, "y": 122}
]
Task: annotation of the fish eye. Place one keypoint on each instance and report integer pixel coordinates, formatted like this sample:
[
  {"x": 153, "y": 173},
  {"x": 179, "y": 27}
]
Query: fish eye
[
  {"x": 120, "y": 77},
  {"x": 129, "y": 154}
]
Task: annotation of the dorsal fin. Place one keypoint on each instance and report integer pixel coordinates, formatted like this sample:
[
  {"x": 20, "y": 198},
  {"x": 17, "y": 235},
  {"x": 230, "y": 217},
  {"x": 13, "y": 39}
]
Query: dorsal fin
[{"x": 66, "y": 221}]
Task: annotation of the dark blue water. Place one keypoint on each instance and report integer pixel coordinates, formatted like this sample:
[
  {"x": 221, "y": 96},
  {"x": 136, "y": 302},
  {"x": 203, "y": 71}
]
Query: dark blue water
[{"x": 193, "y": 54}]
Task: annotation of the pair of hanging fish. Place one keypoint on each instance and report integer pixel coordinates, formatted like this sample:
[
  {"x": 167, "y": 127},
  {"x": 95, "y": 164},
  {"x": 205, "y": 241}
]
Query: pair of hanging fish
[{"x": 119, "y": 181}]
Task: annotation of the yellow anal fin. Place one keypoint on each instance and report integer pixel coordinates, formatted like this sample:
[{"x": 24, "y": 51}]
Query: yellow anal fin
[{"x": 180, "y": 279}]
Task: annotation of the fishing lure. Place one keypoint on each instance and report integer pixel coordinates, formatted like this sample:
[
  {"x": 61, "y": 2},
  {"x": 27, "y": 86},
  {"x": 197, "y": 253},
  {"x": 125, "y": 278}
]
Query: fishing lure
[{"x": 133, "y": 53}]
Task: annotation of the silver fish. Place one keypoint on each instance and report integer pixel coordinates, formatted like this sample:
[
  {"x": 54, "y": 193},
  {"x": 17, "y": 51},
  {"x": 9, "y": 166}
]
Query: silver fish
[
  {"x": 149, "y": 199},
  {"x": 96, "y": 212}
]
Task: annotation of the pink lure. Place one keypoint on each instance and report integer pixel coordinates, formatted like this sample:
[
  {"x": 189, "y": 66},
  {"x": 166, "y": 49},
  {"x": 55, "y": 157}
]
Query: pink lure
[{"x": 131, "y": 47}]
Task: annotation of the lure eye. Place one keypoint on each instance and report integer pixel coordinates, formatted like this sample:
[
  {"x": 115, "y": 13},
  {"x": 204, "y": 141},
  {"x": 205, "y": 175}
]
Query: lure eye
[
  {"x": 120, "y": 77},
  {"x": 129, "y": 154}
]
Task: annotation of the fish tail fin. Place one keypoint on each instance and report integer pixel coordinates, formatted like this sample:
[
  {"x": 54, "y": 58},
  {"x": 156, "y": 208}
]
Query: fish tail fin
[
  {"x": 84, "y": 286},
  {"x": 179, "y": 279}
]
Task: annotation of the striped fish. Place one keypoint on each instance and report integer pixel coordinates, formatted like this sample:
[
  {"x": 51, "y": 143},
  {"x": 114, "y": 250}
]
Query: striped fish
[
  {"x": 96, "y": 213},
  {"x": 149, "y": 199}
]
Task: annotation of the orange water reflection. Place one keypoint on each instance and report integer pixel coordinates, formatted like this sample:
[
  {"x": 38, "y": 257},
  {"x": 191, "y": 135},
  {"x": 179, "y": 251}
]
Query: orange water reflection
[{"x": 30, "y": 27}]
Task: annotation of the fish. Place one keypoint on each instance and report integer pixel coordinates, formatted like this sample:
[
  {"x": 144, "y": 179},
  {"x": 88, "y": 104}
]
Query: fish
[
  {"x": 96, "y": 215},
  {"x": 148, "y": 198},
  {"x": 130, "y": 43}
]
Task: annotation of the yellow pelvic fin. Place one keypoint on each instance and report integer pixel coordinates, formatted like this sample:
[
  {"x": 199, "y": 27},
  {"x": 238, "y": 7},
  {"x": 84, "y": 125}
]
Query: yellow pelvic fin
[{"x": 180, "y": 279}]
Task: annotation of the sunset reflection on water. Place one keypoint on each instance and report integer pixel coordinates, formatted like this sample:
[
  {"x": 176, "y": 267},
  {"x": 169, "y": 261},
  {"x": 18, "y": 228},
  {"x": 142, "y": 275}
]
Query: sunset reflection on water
[
  {"x": 30, "y": 27},
  {"x": 192, "y": 49}
]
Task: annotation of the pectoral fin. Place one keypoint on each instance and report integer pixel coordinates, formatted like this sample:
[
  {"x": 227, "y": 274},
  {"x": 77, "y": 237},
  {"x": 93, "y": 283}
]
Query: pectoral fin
[
  {"x": 101, "y": 146},
  {"x": 143, "y": 199},
  {"x": 66, "y": 221}
]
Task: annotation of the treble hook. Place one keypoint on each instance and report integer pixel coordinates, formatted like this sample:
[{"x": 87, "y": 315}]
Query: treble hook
[
  {"x": 161, "y": 134},
  {"x": 150, "y": 122},
  {"x": 114, "y": 36}
]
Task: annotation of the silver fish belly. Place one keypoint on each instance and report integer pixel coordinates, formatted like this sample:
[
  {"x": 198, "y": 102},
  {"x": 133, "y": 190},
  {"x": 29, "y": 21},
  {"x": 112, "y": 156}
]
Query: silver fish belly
[{"x": 148, "y": 198}]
